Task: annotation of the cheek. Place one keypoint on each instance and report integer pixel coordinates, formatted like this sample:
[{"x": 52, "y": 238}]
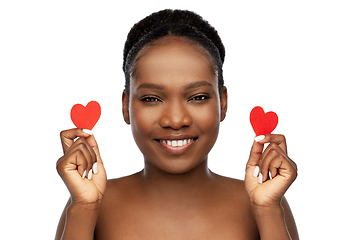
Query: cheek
[
  {"x": 208, "y": 119},
  {"x": 142, "y": 124},
  {"x": 141, "y": 119}
]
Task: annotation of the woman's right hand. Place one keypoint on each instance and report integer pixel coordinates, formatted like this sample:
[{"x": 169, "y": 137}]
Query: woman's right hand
[{"x": 81, "y": 168}]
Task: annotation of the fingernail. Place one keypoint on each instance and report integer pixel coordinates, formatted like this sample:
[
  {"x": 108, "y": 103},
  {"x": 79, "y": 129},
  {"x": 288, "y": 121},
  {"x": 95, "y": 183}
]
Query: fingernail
[
  {"x": 256, "y": 171},
  {"x": 260, "y": 178},
  {"x": 95, "y": 168},
  {"x": 87, "y": 131},
  {"x": 84, "y": 174},
  {"x": 259, "y": 138},
  {"x": 90, "y": 174}
]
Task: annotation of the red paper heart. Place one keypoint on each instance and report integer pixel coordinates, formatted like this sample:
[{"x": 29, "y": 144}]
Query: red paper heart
[
  {"x": 261, "y": 122},
  {"x": 85, "y": 117}
]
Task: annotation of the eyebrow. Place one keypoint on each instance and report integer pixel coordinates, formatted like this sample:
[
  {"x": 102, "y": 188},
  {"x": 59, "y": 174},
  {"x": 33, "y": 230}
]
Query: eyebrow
[
  {"x": 188, "y": 87},
  {"x": 197, "y": 85},
  {"x": 150, "y": 86}
]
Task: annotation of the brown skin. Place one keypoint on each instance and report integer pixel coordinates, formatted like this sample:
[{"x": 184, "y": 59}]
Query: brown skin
[{"x": 174, "y": 95}]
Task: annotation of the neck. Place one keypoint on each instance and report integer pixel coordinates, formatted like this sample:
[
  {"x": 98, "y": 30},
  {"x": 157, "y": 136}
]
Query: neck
[{"x": 188, "y": 182}]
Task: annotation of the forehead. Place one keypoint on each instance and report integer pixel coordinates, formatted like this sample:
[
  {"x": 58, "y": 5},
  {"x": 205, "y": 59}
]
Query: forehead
[{"x": 173, "y": 61}]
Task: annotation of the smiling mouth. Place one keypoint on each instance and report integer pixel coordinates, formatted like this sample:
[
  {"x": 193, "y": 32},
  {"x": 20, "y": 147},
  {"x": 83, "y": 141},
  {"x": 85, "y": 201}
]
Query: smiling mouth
[{"x": 177, "y": 143}]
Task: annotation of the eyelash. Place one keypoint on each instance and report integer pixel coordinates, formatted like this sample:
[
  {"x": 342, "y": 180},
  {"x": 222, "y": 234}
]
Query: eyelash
[
  {"x": 202, "y": 97},
  {"x": 197, "y": 98},
  {"x": 150, "y": 99}
]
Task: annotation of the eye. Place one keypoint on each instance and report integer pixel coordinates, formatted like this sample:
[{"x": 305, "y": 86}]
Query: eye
[
  {"x": 150, "y": 99},
  {"x": 201, "y": 97}
]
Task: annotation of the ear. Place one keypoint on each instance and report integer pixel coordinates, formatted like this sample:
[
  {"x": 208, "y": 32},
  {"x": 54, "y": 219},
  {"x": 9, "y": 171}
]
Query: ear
[
  {"x": 125, "y": 107},
  {"x": 223, "y": 103}
]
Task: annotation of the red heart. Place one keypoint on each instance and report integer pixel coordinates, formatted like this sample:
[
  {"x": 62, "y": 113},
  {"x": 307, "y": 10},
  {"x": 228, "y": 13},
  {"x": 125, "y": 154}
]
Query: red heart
[
  {"x": 85, "y": 117},
  {"x": 263, "y": 123}
]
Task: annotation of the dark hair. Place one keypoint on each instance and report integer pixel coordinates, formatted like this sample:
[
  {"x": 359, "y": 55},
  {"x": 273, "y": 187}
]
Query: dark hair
[{"x": 181, "y": 23}]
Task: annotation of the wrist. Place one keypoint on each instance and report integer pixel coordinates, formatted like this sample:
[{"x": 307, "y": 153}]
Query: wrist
[
  {"x": 271, "y": 222},
  {"x": 80, "y": 221},
  {"x": 83, "y": 211},
  {"x": 267, "y": 211},
  {"x": 269, "y": 205},
  {"x": 95, "y": 206}
]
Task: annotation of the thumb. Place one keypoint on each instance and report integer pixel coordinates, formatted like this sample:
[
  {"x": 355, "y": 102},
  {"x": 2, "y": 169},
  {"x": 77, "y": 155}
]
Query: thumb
[
  {"x": 92, "y": 142},
  {"x": 99, "y": 174},
  {"x": 251, "y": 176},
  {"x": 255, "y": 154}
]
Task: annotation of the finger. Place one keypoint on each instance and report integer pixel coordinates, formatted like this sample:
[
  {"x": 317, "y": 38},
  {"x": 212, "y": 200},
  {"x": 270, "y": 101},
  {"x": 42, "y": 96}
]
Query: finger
[
  {"x": 275, "y": 141},
  {"x": 82, "y": 164},
  {"x": 274, "y": 138},
  {"x": 268, "y": 149},
  {"x": 87, "y": 152},
  {"x": 278, "y": 163},
  {"x": 83, "y": 145},
  {"x": 73, "y": 161},
  {"x": 268, "y": 163},
  {"x": 67, "y": 137}
]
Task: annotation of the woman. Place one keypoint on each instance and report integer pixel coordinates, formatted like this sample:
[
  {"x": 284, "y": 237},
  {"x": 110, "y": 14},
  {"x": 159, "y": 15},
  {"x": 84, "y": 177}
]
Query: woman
[{"x": 174, "y": 100}]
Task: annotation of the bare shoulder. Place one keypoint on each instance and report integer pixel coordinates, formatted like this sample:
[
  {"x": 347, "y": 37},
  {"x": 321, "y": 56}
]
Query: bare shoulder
[
  {"x": 231, "y": 192},
  {"x": 118, "y": 192},
  {"x": 235, "y": 206},
  {"x": 232, "y": 187},
  {"x": 118, "y": 188}
]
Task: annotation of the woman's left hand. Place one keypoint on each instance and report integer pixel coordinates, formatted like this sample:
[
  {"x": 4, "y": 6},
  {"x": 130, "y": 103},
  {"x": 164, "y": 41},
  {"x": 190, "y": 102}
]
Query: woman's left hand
[{"x": 265, "y": 190}]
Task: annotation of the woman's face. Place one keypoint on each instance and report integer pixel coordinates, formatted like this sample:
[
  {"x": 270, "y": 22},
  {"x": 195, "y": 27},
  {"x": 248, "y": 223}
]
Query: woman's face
[{"x": 174, "y": 106}]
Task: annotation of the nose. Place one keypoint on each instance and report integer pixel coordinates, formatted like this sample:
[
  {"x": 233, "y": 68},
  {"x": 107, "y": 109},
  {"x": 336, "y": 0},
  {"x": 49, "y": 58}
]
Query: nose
[{"x": 175, "y": 116}]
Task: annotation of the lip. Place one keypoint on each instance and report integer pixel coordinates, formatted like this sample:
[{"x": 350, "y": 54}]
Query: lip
[{"x": 176, "y": 150}]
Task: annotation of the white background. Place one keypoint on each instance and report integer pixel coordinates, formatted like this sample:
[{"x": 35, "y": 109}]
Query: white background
[{"x": 298, "y": 58}]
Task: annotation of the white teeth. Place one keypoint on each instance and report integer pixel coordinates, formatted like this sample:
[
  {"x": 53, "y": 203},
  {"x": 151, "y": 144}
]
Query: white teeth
[{"x": 177, "y": 143}]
